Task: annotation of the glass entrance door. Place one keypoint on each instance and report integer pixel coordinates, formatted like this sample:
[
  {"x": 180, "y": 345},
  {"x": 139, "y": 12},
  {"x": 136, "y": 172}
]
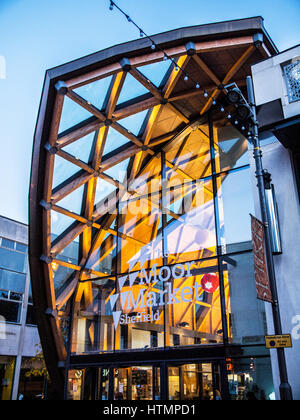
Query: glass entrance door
[
  {"x": 137, "y": 383},
  {"x": 198, "y": 381}
]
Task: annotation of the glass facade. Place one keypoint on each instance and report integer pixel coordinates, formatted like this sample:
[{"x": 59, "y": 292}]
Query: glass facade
[
  {"x": 147, "y": 251},
  {"x": 174, "y": 260}
]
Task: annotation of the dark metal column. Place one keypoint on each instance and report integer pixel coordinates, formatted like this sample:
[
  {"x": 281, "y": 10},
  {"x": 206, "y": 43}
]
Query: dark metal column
[{"x": 284, "y": 388}]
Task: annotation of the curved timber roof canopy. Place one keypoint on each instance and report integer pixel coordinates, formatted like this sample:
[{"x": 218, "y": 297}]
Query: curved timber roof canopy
[{"x": 116, "y": 108}]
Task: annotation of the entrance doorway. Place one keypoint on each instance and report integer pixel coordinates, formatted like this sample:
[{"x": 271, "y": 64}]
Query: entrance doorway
[
  {"x": 193, "y": 381},
  {"x": 197, "y": 381}
]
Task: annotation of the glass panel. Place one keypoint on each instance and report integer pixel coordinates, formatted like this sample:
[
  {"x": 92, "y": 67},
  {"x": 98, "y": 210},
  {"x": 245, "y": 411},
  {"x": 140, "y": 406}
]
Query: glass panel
[
  {"x": 102, "y": 259},
  {"x": 139, "y": 224},
  {"x": 131, "y": 89},
  {"x": 194, "y": 309},
  {"x": 250, "y": 379},
  {"x": 141, "y": 383},
  {"x": 190, "y": 231},
  {"x": 235, "y": 203},
  {"x": 114, "y": 140},
  {"x": 104, "y": 384},
  {"x": 21, "y": 247},
  {"x": 104, "y": 190},
  {"x": 95, "y": 92},
  {"x": 60, "y": 276},
  {"x": 156, "y": 71},
  {"x": 7, "y": 243},
  {"x": 71, "y": 253},
  {"x": 190, "y": 158},
  {"x": 134, "y": 122},
  {"x": 81, "y": 148},
  {"x": 73, "y": 201},
  {"x": 93, "y": 329},
  {"x": 119, "y": 171},
  {"x": 59, "y": 223},
  {"x": 63, "y": 170},
  {"x": 121, "y": 384},
  {"x": 75, "y": 384},
  {"x": 72, "y": 114},
  {"x": 241, "y": 300},
  {"x": 7, "y": 368},
  {"x": 10, "y": 280},
  {"x": 139, "y": 314},
  {"x": 231, "y": 148},
  {"x": 174, "y": 383},
  {"x": 12, "y": 260}
]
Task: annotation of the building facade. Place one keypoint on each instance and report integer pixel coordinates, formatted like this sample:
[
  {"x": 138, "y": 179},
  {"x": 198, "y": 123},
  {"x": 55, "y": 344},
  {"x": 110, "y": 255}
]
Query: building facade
[
  {"x": 19, "y": 339},
  {"x": 141, "y": 193},
  {"x": 277, "y": 93}
]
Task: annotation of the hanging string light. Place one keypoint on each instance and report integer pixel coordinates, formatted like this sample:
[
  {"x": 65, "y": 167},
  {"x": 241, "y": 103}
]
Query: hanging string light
[{"x": 166, "y": 57}]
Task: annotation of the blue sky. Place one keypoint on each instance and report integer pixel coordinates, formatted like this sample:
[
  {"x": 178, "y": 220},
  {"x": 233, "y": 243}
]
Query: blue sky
[{"x": 36, "y": 35}]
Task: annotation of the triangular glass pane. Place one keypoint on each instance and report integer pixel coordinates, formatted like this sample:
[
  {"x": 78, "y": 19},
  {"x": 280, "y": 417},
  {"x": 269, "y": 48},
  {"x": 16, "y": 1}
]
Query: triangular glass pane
[
  {"x": 61, "y": 275},
  {"x": 113, "y": 141},
  {"x": 102, "y": 258},
  {"x": 134, "y": 122},
  {"x": 131, "y": 89},
  {"x": 70, "y": 253},
  {"x": 156, "y": 71},
  {"x": 81, "y": 148},
  {"x": 63, "y": 170},
  {"x": 103, "y": 190},
  {"x": 95, "y": 92},
  {"x": 59, "y": 223},
  {"x": 118, "y": 171},
  {"x": 73, "y": 201},
  {"x": 72, "y": 114}
]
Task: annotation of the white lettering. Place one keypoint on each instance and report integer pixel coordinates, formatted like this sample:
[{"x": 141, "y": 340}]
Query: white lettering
[
  {"x": 186, "y": 291},
  {"x": 148, "y": 278},
  {"x": 296, "y": 329},
  {"x": 160, "y": 273},
  {"x": 139, "y": 301}
]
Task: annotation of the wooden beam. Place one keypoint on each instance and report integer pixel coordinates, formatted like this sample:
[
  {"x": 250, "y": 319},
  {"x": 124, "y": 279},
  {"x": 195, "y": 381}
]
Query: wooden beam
[
  {"x": 66, "y": 238},
  {"x": 75, "y": 160},
  {"x": 146, "y": 83},
  {"x": 67, "y": 293},
  {"x": 175, "y": 75},
  {"x": 114, "y": 160},
  {"x": 86, "y": 105},
  {"x": 206, "y": 69},
  {"x": 77, "y": 132},
  {"x": 134, "y": 108},
  {"x": 220, "y": 44},
  {"x": 70, "y": 185},
  {"x": 233, "y": 70},
  {"x": 93, "y": 76},
  {"x": 117, "y": 84}
]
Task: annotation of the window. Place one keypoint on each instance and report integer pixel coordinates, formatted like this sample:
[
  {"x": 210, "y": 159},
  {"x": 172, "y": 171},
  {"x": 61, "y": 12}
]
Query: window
[
  {"x": 10, "y": 305},
  {"x": 292, "y": 79},
  {"x": 12, "y": 255}
]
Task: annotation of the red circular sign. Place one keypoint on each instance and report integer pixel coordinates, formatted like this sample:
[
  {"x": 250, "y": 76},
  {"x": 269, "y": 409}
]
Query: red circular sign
[{"x": 210, "y": 282}]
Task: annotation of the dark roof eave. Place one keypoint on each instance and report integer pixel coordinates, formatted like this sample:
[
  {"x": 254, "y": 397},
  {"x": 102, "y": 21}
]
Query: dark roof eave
[{"x": 166, "y": 39}]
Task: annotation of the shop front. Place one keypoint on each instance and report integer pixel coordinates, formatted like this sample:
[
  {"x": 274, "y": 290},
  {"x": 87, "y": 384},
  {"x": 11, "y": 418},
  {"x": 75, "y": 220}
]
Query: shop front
[{"x": 140, "y": 223}]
